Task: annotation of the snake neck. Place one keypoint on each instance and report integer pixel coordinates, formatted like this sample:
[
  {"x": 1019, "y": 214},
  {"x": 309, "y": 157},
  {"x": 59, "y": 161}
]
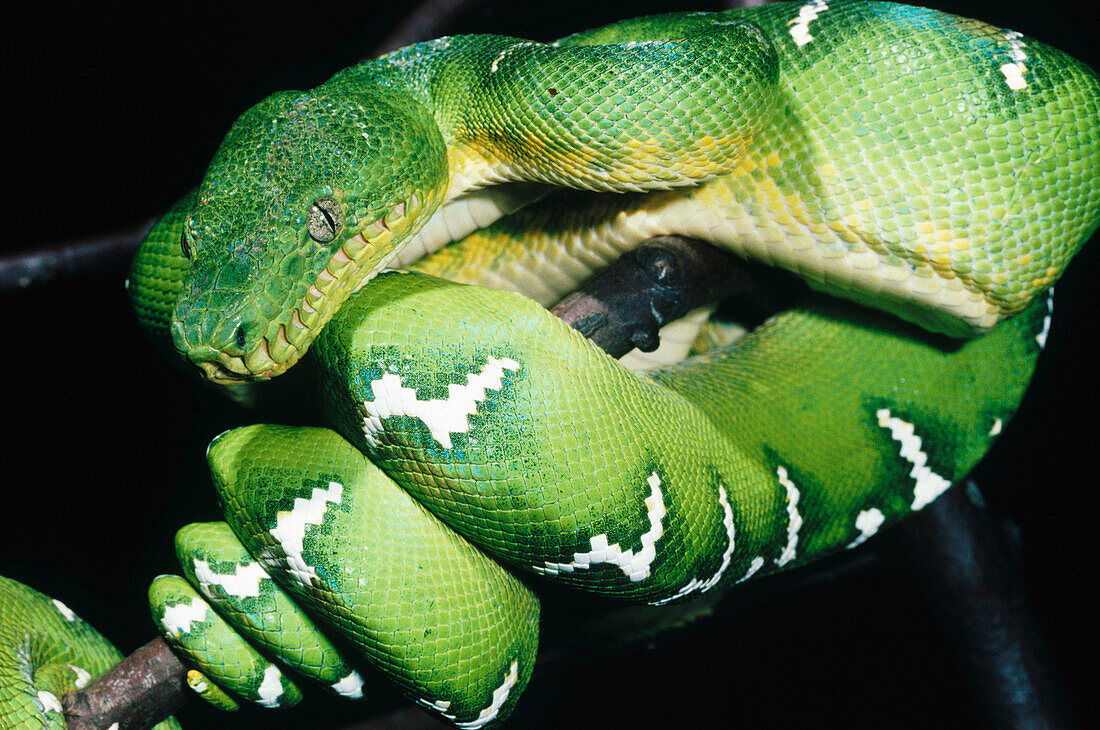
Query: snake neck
[
  {"x": 313, "y": 193},
  {"x": 915, "y": 175}
]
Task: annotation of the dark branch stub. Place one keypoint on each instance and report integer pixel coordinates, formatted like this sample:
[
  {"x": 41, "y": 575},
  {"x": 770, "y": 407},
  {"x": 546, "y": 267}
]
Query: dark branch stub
[{"x": 625, "y": 305}]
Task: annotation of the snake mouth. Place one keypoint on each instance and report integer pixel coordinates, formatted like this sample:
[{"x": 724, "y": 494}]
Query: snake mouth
[
  {"x": 218, "y": 367},
  {"x": 287, "y": 337},
  {"x": 398, "y": 238}
]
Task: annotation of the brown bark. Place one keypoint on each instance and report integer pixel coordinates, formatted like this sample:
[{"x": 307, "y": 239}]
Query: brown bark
[{"x": 138, "y": 692}]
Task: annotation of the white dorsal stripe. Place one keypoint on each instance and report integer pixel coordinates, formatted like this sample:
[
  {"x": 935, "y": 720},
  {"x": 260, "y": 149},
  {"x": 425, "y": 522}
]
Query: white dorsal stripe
[
  {"x": 500, "y": 696},
  {"x": 290, "y": 528},
  {"x": 929, "y": 484},
  {"x": 700, "y": 585},
  {"x": 177, "y": 619},
  {"x": 794, "y": 519},
  {"x": 271, "y": 688},
  {"x": 635, "y": 566},
  {"x": 244, "y": 581},
  {"x": 350, "y": 686},
  {"x": 867, "y": 522},
  {"x": 442, "y": 416}
]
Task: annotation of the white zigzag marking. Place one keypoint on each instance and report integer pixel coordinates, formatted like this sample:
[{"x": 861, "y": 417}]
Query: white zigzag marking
[
  {"x": 703, "y": 586},
  {"x": 49, "y": 701},
  {"x": 635, "y": 567},
  {"x": 64, "y": 610},
  {"x": 929, "y": 484},
  {"x": 1041, "y": 338},
  {"x": 271, "y": 689},
  {"x": 500, "y": 696},
  {"x": 1014, "y": 70},
  {"x": 290, "y": 528},
  {"x": 867, "y": 522},
  {"x": 83, "y": 676},
  {"x": 757, "y": 564},
  {"x": 177, "y": 619},
  {"x": 243, "y": 582},
  {"x": 440, "y": 706},
  {"x": 443, "y": 417},
  {"x": 795, "y": 519},
  {"x": 350, "y": 686},
  {"x": 800, "y": 26}
]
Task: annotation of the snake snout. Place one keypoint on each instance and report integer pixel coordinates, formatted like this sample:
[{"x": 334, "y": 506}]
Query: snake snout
[{"x": 227, "y": 349}]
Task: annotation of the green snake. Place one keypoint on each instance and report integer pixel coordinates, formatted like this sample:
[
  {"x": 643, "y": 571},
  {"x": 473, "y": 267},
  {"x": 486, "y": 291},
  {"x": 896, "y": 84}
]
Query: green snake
[{"x": 936, "y": 174}]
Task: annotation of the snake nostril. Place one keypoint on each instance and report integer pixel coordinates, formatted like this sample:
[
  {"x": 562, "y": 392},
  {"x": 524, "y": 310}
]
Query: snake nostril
[{"x": 241, "y": 339}]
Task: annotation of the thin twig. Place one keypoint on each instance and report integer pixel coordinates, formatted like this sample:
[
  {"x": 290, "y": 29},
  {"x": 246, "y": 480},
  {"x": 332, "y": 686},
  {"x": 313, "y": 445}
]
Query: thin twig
[
  {"x": 429, "y": 19},
  {"x": 78, "y": 258},
  {"x": 112, "y": 251}
]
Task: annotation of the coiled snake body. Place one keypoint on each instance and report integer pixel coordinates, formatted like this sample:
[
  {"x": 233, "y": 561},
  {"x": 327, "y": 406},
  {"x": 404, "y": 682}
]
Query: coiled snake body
[{"x": 930, "y": 166}]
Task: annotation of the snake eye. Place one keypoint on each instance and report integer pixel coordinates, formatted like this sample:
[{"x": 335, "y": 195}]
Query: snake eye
[
  {"x": 325, "y": 220},
  {"x": 185, "y": 246}
]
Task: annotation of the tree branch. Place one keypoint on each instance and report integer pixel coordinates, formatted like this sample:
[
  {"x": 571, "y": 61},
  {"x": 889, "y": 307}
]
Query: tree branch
[
  {"x": 114, "y": 250},
  {"x": 625, "y": 305},
  {"x": 621, "y": 307},
  {"x": 959, "y": 554},
  {"x": 138, "y": 692},
  {"x": 77, "y": 258},
  {"x": 953, "y": 546}
]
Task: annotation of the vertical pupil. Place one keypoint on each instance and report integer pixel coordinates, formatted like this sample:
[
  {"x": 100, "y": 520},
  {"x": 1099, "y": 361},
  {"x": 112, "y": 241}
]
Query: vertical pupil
[
  {"x": 184, "y": 247},
  {"x": 328, "y": 218}
]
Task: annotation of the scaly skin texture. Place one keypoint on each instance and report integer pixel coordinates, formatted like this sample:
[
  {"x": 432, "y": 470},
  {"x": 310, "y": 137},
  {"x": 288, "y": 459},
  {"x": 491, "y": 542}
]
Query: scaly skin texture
[
  {"x": 46, "y": 650},
  {"x": 947, "y": 175},
  {"x": 566, "y": 450},
  {"x": 935, "y": 167},
  {"x": 384, "y": 143},
  {"x": 807, "y": 436},
  {"x": 450, "y": 627}
]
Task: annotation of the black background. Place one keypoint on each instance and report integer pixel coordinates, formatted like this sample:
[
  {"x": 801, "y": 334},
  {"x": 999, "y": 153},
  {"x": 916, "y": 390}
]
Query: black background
[{"x": 113, "y": 112}]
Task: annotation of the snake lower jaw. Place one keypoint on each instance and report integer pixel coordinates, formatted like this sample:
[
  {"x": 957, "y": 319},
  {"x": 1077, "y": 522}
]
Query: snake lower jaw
[{"x": 258, "y": 365}]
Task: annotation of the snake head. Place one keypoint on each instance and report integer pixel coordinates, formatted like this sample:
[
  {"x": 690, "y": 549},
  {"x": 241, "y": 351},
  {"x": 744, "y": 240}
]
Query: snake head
[{"x": 308, "y": 197}]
